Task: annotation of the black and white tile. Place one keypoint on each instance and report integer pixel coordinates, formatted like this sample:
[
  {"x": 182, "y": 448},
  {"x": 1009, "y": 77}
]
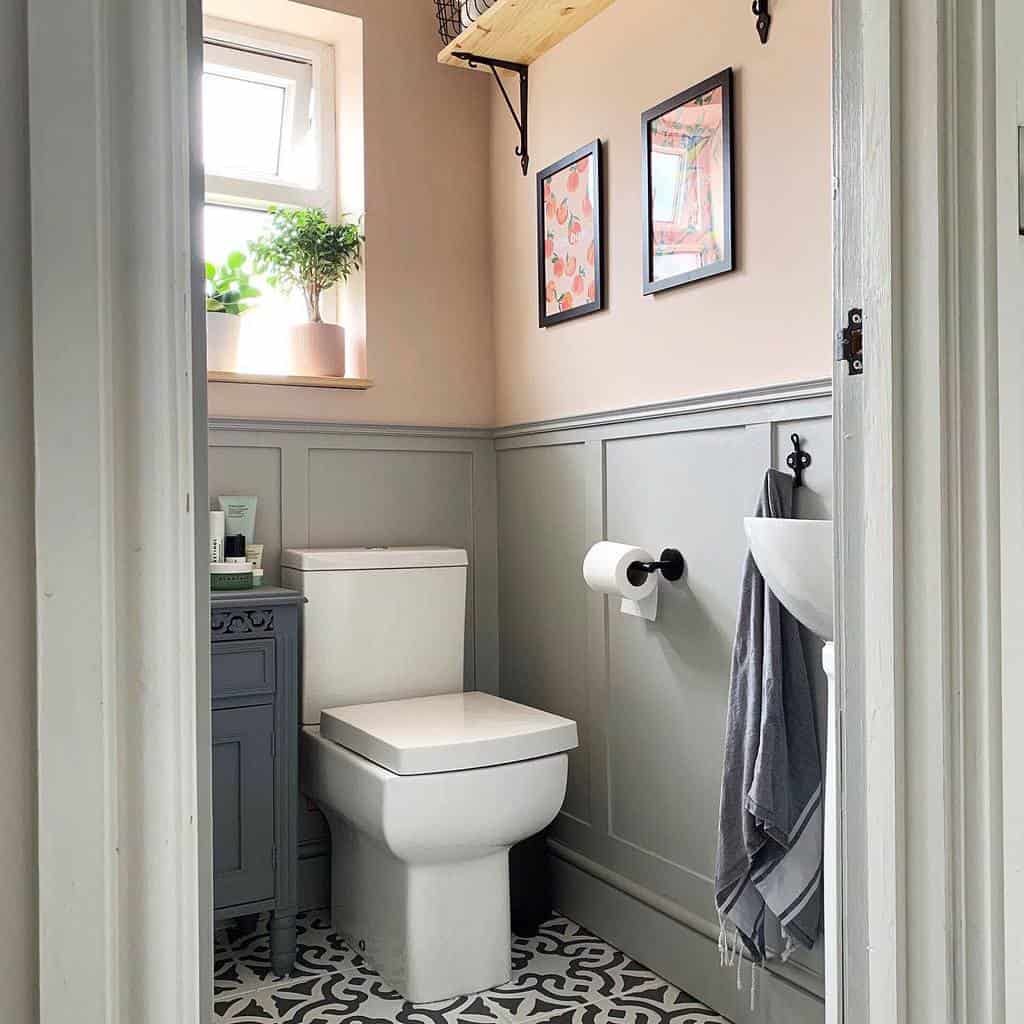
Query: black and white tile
[{"x": 563, "y": 975}]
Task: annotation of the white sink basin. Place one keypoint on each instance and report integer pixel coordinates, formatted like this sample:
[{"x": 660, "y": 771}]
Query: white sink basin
[{"x": 795, "y": 559}]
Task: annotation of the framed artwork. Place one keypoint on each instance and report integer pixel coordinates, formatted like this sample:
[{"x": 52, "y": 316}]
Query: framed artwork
[
  {"x": 688, "y": 194},
  {"x": 570, "y": 245}
]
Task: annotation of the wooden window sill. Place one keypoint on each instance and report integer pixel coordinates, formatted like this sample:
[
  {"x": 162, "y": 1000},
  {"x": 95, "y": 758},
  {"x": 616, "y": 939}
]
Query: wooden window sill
[{"x": 344, "y": 383}]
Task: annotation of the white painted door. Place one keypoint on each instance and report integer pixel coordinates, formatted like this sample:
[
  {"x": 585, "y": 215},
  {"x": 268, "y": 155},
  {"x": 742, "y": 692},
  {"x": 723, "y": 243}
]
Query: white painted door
[{"x": 845, "y": 918}]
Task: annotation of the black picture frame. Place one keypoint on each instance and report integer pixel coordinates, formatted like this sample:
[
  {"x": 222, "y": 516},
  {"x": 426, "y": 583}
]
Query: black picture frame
[
  {"x": 595, "y": 151},
  {"x": 723, "y": 80}
]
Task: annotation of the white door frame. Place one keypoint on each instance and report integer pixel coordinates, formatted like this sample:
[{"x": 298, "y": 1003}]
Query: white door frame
[
  {"x": 1010, "y": 112},
  {"x": 918, "y": 520},
  {"x": 121, "y": 926},
  {"x": 124, "y": 882}
]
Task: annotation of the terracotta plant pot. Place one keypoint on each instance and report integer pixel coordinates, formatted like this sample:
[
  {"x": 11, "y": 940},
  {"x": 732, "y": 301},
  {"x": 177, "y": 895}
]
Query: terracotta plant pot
[
  {"x": 222, "y": 333},
  {"x": 316, "y": 350}
]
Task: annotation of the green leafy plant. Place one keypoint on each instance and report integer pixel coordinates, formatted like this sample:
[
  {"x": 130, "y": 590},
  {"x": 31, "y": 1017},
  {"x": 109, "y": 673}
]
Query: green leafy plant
[
  {"x": 228, "y": 288},
  {"x": 304, "y": 250}
]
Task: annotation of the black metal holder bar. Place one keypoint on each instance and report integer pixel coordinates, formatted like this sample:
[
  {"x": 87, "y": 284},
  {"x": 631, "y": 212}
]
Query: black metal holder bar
[
  {"x": 798, "y": 460},
  {"x": 672, "y": 565},
  {"x": 522, "y": 118},
  {"x": 764, "y": 19}
]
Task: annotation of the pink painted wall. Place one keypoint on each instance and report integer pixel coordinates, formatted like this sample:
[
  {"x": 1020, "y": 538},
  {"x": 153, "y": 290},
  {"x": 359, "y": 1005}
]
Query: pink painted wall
[
  {"x": 450, "y": 289},
  {"x": 767, "y": 322},
  {"x": 427, "y": 199}
]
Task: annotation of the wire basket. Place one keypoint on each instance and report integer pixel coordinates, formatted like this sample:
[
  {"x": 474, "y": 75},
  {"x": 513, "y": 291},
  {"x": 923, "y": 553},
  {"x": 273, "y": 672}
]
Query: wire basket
[
  {"x": 449, "y": 19},
  {"x": 453, "y": 16}
]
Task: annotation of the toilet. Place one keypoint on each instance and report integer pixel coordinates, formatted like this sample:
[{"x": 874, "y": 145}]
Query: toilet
[{"x": 425, "y": 787}]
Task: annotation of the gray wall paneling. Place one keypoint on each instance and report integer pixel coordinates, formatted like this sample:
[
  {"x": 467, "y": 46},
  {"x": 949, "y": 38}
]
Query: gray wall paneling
[
  {"x": 634, "y": 848},
  {"x": 326, "y": 485},
  {"x": 320, "y": 485}
]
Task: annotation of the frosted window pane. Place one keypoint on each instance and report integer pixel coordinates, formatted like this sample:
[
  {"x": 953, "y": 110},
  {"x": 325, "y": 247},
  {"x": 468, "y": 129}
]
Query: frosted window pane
[
  {"x": 242, "y": 126},
  {"x": 264, "y": 328},
  {"x": 667, "y": 170}
]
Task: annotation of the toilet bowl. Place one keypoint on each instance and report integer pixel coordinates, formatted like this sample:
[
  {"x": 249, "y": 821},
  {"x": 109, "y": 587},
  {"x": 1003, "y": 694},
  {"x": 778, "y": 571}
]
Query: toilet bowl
[{"x": 425, "y": 787}]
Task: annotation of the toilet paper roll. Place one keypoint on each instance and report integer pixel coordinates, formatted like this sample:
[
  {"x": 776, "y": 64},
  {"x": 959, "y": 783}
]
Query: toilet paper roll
[{"x": 605, "y": 569}]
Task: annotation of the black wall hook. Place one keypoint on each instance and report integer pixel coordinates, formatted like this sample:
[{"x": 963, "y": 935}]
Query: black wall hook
[
  {"x": 672, "y": 566},
  {"x": 764, "y": 19},
  {"x": 798, "y": 460}
]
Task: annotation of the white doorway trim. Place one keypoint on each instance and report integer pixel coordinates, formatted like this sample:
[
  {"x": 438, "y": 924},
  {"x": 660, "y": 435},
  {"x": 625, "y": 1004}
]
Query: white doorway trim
[
  {"x": 1009, "y": 62},
  {"x": 918, "y": 521},
  {"x": 124, "y": 892},
  {"x": 119, "y": 804}
]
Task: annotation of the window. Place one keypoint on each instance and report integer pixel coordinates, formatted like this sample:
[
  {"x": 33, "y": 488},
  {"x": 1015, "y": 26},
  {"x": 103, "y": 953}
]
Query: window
[{"x": 268, "y": 139}]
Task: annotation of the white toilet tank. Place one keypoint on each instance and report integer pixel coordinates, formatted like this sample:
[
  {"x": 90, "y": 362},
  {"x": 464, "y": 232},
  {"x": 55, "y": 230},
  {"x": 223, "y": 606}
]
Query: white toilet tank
[{"x": 379, "y": 623}]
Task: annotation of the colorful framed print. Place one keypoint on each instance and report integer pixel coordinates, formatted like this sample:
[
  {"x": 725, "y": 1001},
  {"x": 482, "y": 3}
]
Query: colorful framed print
[
  {"x": 688, "y": 186},
  {"x": 570, "y": 245}
]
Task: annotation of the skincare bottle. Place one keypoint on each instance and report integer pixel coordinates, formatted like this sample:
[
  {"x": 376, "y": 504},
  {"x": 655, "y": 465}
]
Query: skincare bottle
[
  {"x": 216, "y": 537},
  {"x": 234, "y": 549},
  {"x": 254, "y": 554},
  {"x": 240, "y": 513}
]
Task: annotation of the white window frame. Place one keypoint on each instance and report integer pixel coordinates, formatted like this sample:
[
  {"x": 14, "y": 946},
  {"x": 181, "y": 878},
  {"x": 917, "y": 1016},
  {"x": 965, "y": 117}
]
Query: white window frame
[{"x": 251, "y": 192}]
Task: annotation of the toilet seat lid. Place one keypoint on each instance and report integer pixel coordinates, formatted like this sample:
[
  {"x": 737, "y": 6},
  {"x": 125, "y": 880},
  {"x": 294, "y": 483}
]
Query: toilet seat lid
[{"x": 450, "y": 732}]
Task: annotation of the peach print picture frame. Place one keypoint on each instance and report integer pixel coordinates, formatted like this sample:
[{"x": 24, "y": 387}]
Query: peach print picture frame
[{"x": 569, "y": 237}]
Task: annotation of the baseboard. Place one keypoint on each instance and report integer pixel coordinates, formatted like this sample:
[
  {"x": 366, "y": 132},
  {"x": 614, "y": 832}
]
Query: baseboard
[{"x": 681, "y": 954}]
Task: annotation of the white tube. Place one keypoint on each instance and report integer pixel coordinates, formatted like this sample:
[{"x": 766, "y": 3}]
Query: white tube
[{"x": 239, "y": 514}]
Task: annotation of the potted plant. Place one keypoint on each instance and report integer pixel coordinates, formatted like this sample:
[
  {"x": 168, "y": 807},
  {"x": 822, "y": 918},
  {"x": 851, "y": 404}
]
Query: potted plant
[
  {"x": 227, "y": 293},
  {"x": 304, "y": 250}
]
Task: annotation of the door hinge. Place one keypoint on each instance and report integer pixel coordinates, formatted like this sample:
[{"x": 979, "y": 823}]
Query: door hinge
[
  {"x": 853, "y": 341},
  {"x": 273, "y": 857},
  {"x": 273, "y": 745}
]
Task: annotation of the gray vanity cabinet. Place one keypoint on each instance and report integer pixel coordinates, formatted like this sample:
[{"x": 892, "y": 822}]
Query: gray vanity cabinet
[{"x": 254, "y": 656}]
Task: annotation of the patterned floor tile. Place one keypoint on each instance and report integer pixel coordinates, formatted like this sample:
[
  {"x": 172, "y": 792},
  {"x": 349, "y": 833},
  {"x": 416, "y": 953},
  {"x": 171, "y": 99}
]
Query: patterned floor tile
[
  {"x": 563, "y": 975},
  {"x": 565, "y": 966},
  {"x": 242, "y": 954},
  {"x": 663, "y": 1004},
  {"x": 333, "y": 998}
]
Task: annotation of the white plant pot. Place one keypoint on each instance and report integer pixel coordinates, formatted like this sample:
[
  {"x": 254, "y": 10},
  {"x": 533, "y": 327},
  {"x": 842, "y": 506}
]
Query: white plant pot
[
  {"x": 316, "y": 350},
  {"x": 222, "y": 334}
]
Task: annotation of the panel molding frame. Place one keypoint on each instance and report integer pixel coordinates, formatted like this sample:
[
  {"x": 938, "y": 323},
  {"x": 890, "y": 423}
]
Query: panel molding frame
[
  {"x": 758, "y": 411},
  {"x": 595, "y": 847},
  {"x": 295, "y": 442},
  {"x": 743, "y": 398}
]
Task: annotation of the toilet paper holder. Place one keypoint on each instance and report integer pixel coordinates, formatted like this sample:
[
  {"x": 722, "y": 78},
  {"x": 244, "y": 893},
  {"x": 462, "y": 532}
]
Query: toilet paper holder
[{"x": 671, "y": 565}]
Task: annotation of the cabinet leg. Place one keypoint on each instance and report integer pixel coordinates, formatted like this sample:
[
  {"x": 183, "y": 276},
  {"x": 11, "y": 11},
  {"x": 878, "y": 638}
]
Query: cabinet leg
[{"x": 282, "y": 943}]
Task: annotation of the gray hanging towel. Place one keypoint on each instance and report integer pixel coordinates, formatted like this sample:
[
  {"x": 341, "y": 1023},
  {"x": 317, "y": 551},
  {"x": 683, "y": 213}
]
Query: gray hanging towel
[{"x": 770, "y": 821}]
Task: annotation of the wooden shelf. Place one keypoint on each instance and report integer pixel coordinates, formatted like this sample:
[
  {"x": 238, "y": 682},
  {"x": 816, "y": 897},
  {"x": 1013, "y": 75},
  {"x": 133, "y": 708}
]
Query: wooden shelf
[
  {"x": 347, "y": 383},
  {"x": 521, "y": 30}
]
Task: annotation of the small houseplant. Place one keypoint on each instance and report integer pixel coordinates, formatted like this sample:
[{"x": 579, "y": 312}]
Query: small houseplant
[
  {"x": 228, "y": 296},
  {"x": 304, "y": 250}
]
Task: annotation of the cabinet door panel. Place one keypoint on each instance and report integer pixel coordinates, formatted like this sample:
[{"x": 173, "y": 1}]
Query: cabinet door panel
[{"x": 243, "y": 805}]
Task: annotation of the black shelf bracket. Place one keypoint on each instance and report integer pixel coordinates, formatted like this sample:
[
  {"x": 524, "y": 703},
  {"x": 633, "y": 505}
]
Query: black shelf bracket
[
  {"x": 521, "y": 118},
  {"x": 764, "y": 19}
]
